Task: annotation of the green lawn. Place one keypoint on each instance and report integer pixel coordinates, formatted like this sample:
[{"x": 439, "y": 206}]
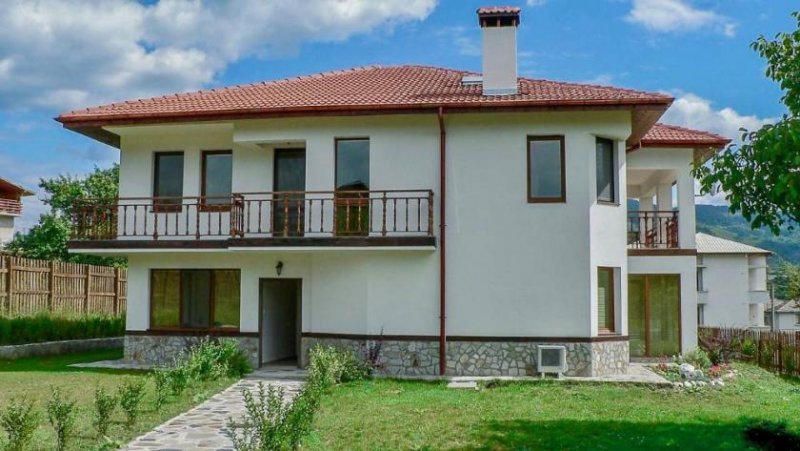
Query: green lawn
[
  {"x": 390, "y": 414},
  {"x": 32, "y": 378}
]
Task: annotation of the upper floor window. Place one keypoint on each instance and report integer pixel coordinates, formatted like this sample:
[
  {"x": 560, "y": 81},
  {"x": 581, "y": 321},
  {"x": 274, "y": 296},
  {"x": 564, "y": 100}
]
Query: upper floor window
[
  {"x": 352, "y": 164},
  {"x": 168, "y": 179},
  {"x": 606, "y": 299},
  {"x": 606, "y": 170},
  {"x": 546, "y": 173},
  {"x": 217, "y": 176},
  {"x": 194, "y": 298},
  {"x": 701, "y": 285}
]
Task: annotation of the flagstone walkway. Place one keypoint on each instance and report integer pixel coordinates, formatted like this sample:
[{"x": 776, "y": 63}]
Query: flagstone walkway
[{"x": 204, "y": 427}]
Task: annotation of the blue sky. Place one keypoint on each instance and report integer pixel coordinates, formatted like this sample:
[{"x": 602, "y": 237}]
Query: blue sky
[{"x": 60, "y": 55}]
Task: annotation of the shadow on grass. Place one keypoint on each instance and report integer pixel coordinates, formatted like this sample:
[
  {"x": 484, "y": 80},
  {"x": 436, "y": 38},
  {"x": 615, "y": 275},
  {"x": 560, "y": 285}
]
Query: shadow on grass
[
  {"x": 607, "y": 435},
  {"x": 60, "y": 363}
]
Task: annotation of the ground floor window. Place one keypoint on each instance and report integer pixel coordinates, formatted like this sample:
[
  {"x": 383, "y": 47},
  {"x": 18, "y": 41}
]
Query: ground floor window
[
  {"x": 654, "y": 314},
  {"x": 701, "y": 316},
  {"x": 606, "y": 298},
  {"x": 194, "y": 298}
]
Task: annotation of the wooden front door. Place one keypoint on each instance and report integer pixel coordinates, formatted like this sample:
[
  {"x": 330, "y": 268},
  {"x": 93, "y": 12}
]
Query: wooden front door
[{"x": 654, "y": 314}]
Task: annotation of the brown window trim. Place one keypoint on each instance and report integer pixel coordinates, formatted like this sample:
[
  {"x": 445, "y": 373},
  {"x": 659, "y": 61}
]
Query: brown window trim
[
  {"x": 545, "y": 200},
  {"x": 613, "y": 295},
  {"x": 614, "y": 199},
  {"x": 211, "y": 307},
  {"x": 202, "y": 205}
]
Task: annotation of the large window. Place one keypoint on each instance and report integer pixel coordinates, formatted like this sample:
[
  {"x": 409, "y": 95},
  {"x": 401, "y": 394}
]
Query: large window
[
  {"x": 605, "y": 300},
  {"x": 168, "y": 179},
  {"x": 546, "y": 174},
  {"x": 352, "y": 186},
  {"x": 217, "y": 177},
  {"x": 194, "y": 298},
  {"x": 606, "y": 171}
]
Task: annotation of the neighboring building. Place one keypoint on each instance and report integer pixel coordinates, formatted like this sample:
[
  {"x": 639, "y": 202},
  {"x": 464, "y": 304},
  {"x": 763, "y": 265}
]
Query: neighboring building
[
  {"x": 786, "y": 316},
  {"x": 731, "y": 283},
  {"x": 11, "y": 196},
  {"x": 461, "y": 219}
]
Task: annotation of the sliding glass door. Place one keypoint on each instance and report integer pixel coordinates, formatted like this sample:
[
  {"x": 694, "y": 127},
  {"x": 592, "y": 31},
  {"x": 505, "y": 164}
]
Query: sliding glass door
[{"x": 654, "y": 310}]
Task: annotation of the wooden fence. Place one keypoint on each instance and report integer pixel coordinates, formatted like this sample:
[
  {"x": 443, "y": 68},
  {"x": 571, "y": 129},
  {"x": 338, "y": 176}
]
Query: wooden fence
[
  {"x": 774, "y": 350},
  {"x": 29, "y": 286}
]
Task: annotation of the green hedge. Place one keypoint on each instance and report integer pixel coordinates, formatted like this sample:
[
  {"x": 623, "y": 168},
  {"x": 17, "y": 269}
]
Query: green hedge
[{"x": 36, "y": 329}]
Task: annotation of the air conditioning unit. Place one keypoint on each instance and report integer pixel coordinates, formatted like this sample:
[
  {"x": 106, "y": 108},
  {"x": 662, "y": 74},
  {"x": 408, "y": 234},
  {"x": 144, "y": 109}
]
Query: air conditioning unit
[{"x": 551, "y": 359}]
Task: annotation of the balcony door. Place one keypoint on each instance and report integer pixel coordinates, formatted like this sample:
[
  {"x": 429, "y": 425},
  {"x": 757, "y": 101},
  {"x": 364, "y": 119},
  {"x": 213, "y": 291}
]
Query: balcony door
[
  {"x": 289, "y": 184},
  {"x": 654, "y": 314}
]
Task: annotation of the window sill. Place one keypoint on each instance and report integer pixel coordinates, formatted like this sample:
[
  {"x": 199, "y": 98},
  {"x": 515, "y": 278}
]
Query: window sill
[
  {"x": 607, "y": 333},
  {"x": 608, "y": 203},
  {"x": 546, "y": 200},
  {"x": 192, "y": 331}
]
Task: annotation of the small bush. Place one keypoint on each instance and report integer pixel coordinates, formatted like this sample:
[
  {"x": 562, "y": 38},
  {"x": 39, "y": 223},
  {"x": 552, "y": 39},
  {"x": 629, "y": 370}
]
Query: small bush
[
  {"x": 46, "y": 327},
  {"x": 771, "y": 436},
  {"x": 104, "y": 405},
  {"x": 748, "y": 348},
  {"x": 330, "y": 366},
  {"x": 178, "y": 379},
  {"x": 161, "y": 386},
  {"x": 213, "y": 359},
  {"x": 697, "y": 358},
  {"x": 61, "y": 413},
  {"x": 130, "y": 396},
  {"x": 19, "y": 420}
]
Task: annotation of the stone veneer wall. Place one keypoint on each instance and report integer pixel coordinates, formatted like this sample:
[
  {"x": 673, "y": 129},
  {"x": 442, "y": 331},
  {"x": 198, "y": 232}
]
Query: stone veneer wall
[
  {"x": 162, "y": 349},
  {"x": 484, "y": 358}
]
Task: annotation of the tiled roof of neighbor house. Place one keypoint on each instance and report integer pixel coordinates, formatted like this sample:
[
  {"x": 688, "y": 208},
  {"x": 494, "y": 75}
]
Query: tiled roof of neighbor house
[
  {"x": 370, "y": 88},
  {"x": 499, "y": 10},
  {"x": 672, "y": 135},
  {"x": 708, "y": 244},
  {"x": 9, "y": 186},
  {"x": 783, "y": 307}
]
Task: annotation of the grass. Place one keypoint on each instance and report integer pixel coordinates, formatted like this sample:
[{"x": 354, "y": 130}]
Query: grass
[
  {"x": 32, "y": 379},
  {"x": 391, "y": 414}
]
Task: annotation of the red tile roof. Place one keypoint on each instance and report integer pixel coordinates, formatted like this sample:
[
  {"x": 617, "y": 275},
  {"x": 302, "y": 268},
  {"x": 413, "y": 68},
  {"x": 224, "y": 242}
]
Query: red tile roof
[
  {"x": 662, "y": 135},
  {"x": 365, "y": 89},
  {"x": 499, "y": 10}
]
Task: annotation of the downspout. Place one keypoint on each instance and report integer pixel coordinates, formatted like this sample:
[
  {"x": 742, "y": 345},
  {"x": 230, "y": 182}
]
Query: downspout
[{"x": 442, "y": 242}]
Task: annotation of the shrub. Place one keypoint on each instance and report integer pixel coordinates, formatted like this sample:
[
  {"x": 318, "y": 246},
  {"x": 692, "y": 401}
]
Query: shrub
[
  {"x": 697, "y": 358},
  {"x": 770, "y": 435},
  {"x": 19, "y": 420},
  {"x": 61, "y": 413},
  {"x": 212, "y": 359},
  {"x": 178, "y": 379},
  {"x": 161, "y": 385},
  {"x": 330, "y": 366},
  {"x": 748, "y": 348},
  {"x": 130, "y": 396},
  {"x": 46, "y": 327},
  {"x": 104, "y": 405}
]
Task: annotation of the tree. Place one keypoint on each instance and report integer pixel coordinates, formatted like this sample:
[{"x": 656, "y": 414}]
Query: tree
[
  {"x": 48, "y": 239},
  {"x": 761, "y": 176},
  {"x": 787, "y": 281}
]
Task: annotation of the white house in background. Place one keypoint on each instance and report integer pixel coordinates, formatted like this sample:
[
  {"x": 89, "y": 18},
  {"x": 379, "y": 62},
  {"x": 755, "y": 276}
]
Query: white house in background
[
  {"x": 11, "y": 195},
  {"x": 786, "y": 316},
  {"x": 462, "y": 219},
  {"x": 731, "y": 283}
]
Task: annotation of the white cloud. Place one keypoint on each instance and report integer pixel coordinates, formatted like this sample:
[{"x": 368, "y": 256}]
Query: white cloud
[
  {"x": 464, "y": 39},
  {"x": 536, "y": 2},
  {"x": 677, "y": 15},
  {"x": 63, "y": 55}
]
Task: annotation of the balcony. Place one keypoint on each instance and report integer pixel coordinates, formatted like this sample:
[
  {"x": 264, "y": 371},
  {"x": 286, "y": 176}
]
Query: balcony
[
  {"x": 10, "y": 207},
  {"x": 653, "y": 230},
  {"x": 262, "y": 219}
]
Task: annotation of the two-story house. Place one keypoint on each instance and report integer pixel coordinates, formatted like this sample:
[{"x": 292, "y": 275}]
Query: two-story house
[
  {"x": 459, "y": 219},
  {"x": 731, "y": 283},
  {"x": 11, "y": 195}
]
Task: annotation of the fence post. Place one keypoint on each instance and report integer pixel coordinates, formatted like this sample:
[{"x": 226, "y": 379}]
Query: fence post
[
  {"x": 87, "y": 290},
  {"x": 116, "y": 290},
  {"x": 6, "y": 307},
  {"x": 10, "y": 284},
  {"x": 51, "y": 285}
]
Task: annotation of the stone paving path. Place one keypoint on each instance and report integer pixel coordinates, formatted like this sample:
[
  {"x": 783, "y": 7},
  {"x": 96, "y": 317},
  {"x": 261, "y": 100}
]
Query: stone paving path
[{"x": 203, "y": 427}]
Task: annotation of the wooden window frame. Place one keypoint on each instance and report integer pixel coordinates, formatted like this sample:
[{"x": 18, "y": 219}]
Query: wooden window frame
[
  {"x": 351, "y": 201},
  {"x": 202, "y": 205},
  {"x": 159, "y": 207},
  {"x": 611, "y": 294},
  {"x": 211, "y": 304},
  {"x": 547, "y": 200},
  {"x": 614, "y": 178}
]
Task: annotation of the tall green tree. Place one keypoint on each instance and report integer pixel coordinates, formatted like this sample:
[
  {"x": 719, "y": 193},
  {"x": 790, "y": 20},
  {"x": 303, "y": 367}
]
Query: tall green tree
[
  {"x": 761, "y": 176},
  {"x": 48, "y": 239}
]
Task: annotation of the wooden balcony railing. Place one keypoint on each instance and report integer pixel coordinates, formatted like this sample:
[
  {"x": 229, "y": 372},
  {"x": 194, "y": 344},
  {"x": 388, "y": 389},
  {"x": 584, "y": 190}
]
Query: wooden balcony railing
[
  {"x": 10, "y": 206},
  {"x": 653, "y": 229},
  {"x": 294, "y": 214}
]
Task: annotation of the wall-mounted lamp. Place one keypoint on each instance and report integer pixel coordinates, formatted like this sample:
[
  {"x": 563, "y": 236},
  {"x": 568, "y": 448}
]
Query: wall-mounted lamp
[{"x": 279, "y": 268}]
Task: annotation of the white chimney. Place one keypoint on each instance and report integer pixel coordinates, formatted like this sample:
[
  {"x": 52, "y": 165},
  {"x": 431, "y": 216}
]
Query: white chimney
[{"x": 499, "y": 28}]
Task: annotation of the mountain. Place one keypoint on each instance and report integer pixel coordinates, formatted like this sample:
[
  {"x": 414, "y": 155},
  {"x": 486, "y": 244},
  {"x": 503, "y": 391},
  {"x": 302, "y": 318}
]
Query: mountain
[{"x": 717, "y": 221}]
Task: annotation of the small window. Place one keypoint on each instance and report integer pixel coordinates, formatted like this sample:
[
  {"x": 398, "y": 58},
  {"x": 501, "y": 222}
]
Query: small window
[
  {"x": 217, "y": 177},
  {"x": 605, "y": 300},
  {"x": 168, "y": 180},
  {"x": 194, "y": 299},
  {"x": 701, "y": 314},
  {"x": 606, "y": 171},
  {"x": 797, "y": 318},
  {"x": 352, "y": 187},
  {"x": 546, "y": 174}
]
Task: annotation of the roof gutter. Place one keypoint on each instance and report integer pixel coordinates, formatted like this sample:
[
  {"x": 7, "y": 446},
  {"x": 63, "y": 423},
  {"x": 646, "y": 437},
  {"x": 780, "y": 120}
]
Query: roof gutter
[{"x": 442, "y": 242}]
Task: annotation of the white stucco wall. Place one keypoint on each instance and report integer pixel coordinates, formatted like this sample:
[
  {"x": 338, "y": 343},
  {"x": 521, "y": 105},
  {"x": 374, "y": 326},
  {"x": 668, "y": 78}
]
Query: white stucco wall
[
  {"x": 786, "y": 321},
  {"x": 734, "y": 283},
  {"x": 6, "y": 228}
]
